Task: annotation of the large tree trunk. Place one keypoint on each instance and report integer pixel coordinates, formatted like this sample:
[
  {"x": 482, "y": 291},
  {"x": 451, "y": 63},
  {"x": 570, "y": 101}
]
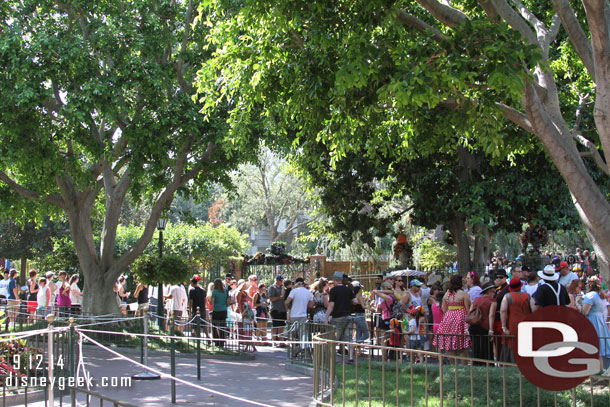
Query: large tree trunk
[
  {"x": 458, "y": 230},
  {"x": 482, "y": 238},
  {"x": 592, "y": 206},
  {"x": 99, "y": 297}
]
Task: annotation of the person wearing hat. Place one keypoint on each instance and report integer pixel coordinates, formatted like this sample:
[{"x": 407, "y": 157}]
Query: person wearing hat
[
  {"x": 275, "y": 293},
  {"x": 565, "y": 275},
  {"x": 413, "y": 296},
  {"x": 551, "y": 292},
  {"x": 482, "y": 348},
  {"x": 515, "y": 308}
]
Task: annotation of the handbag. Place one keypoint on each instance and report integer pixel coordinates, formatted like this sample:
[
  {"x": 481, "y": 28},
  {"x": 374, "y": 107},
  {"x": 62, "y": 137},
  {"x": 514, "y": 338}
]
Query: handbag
[{"x": 474, "y": 316}]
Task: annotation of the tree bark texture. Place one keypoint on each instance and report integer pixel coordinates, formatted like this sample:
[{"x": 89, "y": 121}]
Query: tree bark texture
[
  {"x": 460, "y": 236},
  {"x": 482, "y": 239}
]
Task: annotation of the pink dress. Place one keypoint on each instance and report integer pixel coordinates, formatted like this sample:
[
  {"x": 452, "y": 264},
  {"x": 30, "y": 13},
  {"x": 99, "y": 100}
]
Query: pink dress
[
  {"x": 453, "y": 329},
  {"x": 437, "y": 316}
]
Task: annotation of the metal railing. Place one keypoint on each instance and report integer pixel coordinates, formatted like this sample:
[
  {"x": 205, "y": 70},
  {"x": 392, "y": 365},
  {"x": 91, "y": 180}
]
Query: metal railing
[{"x": 426, "y": 378}]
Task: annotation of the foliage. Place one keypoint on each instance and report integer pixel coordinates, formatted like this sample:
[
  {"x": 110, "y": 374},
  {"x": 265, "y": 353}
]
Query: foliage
[
  {"x": 97, "y": 106},
  {"x": 169, "y": 269},
  {"x": 15, "y": 357},
  {"x": 433, "y": 255},
  {"x": 269, "y": 195},
  {"x": 29, "y": 240}
]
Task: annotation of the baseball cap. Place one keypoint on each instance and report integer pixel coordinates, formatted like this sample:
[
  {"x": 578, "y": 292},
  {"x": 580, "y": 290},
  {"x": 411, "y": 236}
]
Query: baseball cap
[
  {"x": 299, "y": 280},
  {"x": 228, "y": 275},
  {"x": 356, "y": 283},
  {"x": 338, "y": 275},
  {"x": 279, "y": 277},
  {"x": 415, "y": 282},
  {"x": 564, "y": 265}
]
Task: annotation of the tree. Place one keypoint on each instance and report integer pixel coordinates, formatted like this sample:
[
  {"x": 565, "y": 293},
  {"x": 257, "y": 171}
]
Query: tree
[
  {"x": 97, "y": 104},
  {"x": 373, "y": 76},
  {"x": 269, "y": 195}
]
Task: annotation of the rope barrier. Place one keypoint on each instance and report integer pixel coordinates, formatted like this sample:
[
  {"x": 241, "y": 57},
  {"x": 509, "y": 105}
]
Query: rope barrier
[
  {"x": 194, "y": 338},
  {"x": 164, "y": 375}
]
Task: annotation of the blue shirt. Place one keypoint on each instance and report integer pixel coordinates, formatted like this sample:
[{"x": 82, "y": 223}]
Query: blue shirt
[
  {"x": 220, "y": 300},
  {"x": 11, "y": 285}
]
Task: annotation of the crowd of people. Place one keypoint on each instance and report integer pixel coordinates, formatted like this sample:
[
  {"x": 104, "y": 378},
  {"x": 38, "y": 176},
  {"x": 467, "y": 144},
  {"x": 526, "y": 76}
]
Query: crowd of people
[{"x": 50, "y": 293}]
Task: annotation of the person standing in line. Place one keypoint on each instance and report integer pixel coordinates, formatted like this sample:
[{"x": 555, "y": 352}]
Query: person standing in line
[
  {"x": 593, "y": 309},
  {"x": 141, "y": 295},
  {"x": 43, "y": 298},
  {"x": 32, "y": 302},
  {"x": 340, "y": 302},
  {"x": 176, "y": 298},
  {"x": 515, "y": 307},
  {"x": 452, "y": 335},
  {"x": 63, "y": 294},
  {"x": 197, "y": 296},
  {"x": 275, "y": 293},
  {"x": 261, "y": 306},
  {"x": 474, "y": 285},
  {"x": 551, "y": 292},
  {"x": 359, "y": 318},
  {"x": 4, "y": 287},
  {"x": 13, "y": 296},
  {"x": 76, "y": 296},
  {"x": 299, "y": 301},
  {"x": 482, "y": 348},
  {"x": 219, "y": 300},
  {"x": 496, "y": 325}
]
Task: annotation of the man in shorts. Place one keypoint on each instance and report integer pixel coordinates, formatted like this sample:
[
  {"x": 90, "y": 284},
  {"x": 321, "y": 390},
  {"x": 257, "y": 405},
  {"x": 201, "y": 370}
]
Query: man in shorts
[
  {"x": 340, "y": 301},
  {"x": 275, "y": 293}
]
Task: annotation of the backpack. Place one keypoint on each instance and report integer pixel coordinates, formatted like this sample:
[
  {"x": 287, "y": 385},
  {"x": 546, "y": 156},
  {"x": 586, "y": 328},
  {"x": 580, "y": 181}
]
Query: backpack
[
  {"x": 474, "y": 316},
  {"x": 397, "y": 311}
]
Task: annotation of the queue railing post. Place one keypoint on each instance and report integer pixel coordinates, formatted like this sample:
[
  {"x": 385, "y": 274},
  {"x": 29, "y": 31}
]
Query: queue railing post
[
  {"x": 173, "y": 355},
  {"x": 198, "y": 319},
  {"x": 50, "y": 361},
  {"x": 146, "y": 375}
]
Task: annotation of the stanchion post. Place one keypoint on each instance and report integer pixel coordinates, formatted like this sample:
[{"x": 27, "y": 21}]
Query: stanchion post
[
  {"x": 71, "y": 349},
  {"x": 143, "y": 338},
  {"x": 50, "y": 361},
  {"x": 146, "y": 375},
  {"x": 198, "y": 318},
  {"x": 173, "y": 355}
]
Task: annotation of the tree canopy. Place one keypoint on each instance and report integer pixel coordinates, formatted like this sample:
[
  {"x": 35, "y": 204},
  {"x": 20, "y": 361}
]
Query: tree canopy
[
  {"x": 423, "y": 77},
  {"x": 97, "y": 104}
]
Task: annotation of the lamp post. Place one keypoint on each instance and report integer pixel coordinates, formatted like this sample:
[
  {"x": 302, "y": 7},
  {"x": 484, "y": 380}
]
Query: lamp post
[{"x": 161, "y": 226}]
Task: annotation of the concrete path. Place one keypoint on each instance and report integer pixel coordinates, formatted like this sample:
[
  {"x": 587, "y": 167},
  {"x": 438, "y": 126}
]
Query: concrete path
[{"x": 264, "y": 380}]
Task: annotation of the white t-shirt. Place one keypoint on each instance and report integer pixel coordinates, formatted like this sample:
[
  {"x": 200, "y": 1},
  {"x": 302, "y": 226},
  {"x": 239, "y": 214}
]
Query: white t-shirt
[
  {"x": 567, "y": 279},
  {"x": 530, "y": 289},
  {"x": 42, "y": 295},
  {"x": 178, "y": 301},
  {"x": 74, "y": 299},
  {"x": 413, "y": 328},
  {"x": 300, "y": 298},
  {"x": 4, "y": 287}
]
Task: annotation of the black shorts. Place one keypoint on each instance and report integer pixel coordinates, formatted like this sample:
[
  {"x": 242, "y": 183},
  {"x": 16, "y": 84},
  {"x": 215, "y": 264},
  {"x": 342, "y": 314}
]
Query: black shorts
[{"x": 279, "y": 319}]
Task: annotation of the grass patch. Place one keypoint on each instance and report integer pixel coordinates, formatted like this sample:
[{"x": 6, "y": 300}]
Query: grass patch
[{"x": 415, "y": 390}]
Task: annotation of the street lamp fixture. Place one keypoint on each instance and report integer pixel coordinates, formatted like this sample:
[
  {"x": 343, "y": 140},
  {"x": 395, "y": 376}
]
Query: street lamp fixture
[{"x": 161, "y": 223}]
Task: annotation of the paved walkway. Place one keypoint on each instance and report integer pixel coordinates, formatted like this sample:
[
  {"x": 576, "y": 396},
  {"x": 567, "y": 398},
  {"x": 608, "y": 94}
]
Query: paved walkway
[{"x": 264, "y": 380}]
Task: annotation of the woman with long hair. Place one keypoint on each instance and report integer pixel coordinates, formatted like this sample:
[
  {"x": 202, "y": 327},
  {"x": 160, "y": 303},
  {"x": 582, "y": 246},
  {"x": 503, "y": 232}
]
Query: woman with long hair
[
  {"x": 219, "y": 300},
  {"x": 261, "y": 306},
  {"x": 593, "y": 308},
  {"x": 320, "y": 301},
  {"x": 452, "y": 335},
  {"x": 76, "y": 296},
  {"x": 474, "y": 285}
]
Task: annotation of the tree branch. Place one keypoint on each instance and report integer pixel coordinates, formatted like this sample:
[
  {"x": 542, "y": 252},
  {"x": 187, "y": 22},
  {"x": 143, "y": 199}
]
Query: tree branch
[
  {"x": 517, "y": 117},
  {"x": 577, "y": 35},
  {"x": 424, "y": 28},
  {"x": 514, "y": 20},
  {"x": 445, "y": 14},
  {"x": 53, "y": 199}
]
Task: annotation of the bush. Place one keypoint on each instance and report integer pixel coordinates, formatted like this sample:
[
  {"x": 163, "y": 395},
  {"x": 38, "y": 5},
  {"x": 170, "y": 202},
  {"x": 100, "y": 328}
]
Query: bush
[{"x": 170, "y": 269}]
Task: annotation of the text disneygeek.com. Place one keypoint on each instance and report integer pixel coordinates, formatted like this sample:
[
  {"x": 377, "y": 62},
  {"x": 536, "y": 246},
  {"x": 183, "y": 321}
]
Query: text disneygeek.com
[{"x": 66, "y": 382}]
